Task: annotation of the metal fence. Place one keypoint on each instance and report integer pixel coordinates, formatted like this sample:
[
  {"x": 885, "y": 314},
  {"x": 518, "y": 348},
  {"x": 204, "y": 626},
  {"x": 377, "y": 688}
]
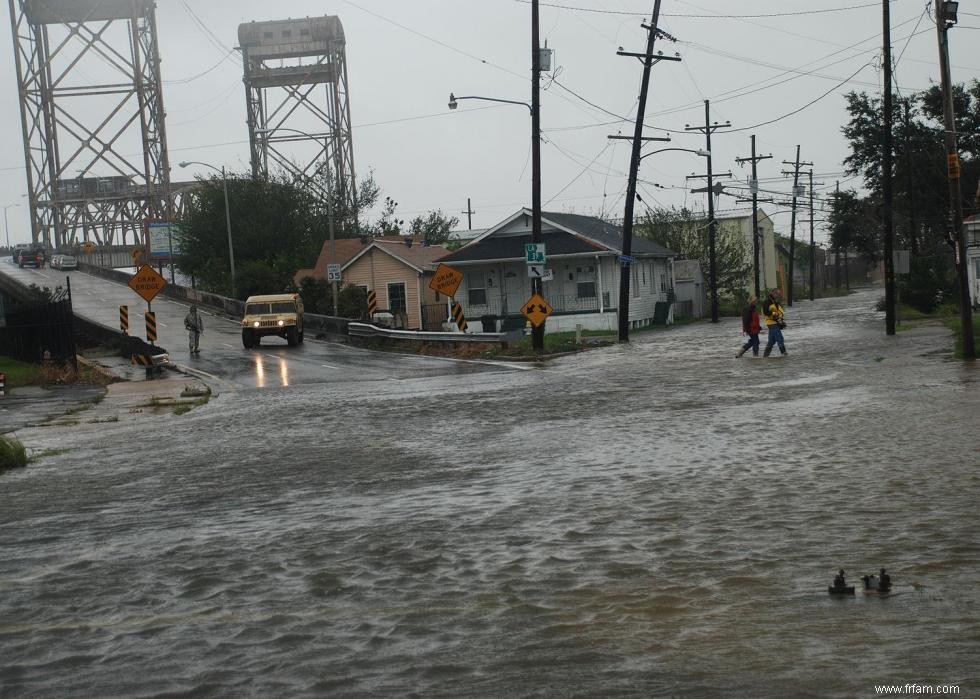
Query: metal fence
[{"x": 40, "y": 331}]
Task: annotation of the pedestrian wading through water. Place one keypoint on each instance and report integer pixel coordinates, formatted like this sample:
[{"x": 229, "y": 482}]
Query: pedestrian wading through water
[
  {"x": 751, "y": 326},
  {"x": 775, "y": 322}
]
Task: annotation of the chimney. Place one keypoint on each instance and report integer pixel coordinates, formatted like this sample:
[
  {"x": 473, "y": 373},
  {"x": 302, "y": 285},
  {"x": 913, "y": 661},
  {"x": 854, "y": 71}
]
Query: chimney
[
  {"x": 365, "y": 239},
  {"x": 409, "y": 241}
]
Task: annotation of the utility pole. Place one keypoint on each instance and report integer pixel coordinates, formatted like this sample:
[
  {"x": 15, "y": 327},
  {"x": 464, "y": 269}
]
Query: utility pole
[
  {"x": 943, "y": 22},
  {"x": 886, "y": 173},
  {"x": 469, "y": 214},
  {"x": 837, "y": 246},
  {"x": 913, "y": 226},
  {"x": 792, "y": 226},
  {"x": 707, "y": 130},
  {"x": 648, "y": 59},
  {"x": 537, "y": 333},
  {"x": 813, "y": 249},
  {"x": 754, "y": 186}
]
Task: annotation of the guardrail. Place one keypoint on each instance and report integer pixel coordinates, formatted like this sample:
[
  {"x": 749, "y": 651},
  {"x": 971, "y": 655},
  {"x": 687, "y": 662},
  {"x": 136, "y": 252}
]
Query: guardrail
[{"x": 373, "y": 331}]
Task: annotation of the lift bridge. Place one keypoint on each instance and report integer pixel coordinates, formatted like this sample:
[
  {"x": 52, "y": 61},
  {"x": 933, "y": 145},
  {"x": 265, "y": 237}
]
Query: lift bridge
[
  {"x": 286, "y": 63},
  {"x": 80, "y": 133},
  {"x": 96, "y": 149}
]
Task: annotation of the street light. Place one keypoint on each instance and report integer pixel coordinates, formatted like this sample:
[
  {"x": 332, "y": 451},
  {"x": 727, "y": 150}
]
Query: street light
[
  {"x": 6, "y": 226},
  {"x": 453, "y": 99},
  {"x": 231, "y": 249},
  {"x": 537, "y": 333},
  {"x": 703, "y": 153},
  {"x": 329, "y": 197}
]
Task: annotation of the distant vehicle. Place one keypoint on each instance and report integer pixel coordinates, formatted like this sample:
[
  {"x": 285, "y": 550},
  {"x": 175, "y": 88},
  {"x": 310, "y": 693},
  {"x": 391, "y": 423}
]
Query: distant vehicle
[
  {"x": 63, "y": 262},
  {"x": 17, "y": 250},
  {"x": 273, "y": 314},
  {"x": 31, "y": 255}
]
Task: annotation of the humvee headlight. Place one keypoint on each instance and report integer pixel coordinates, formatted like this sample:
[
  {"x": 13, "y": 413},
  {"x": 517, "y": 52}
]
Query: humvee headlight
[
  {"x": 255, "y": 324},
  {"x": 281, "y": 323}
]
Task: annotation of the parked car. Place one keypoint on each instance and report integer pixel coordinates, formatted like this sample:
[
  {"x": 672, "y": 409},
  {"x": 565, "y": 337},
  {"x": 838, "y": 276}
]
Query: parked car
[{"x": 63, "y": 262}]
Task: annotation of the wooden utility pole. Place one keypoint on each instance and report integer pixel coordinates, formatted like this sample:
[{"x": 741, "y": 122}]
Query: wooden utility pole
[
  {"x": 469, "y": 214},
  {"x": 707, "y": 130},
  {"x": 648, "y": 59},
  {"x": 537, "y": 333},
  {"x": 792, "y": 226},
  {"x": 754, "y": 186},
  {"x": 886, "y": 174},
  {"x": 953, "y": 175}
]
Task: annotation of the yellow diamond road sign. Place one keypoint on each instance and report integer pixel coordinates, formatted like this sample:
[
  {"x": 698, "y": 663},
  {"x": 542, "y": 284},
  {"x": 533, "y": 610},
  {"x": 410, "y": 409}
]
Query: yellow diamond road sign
[
  {"x": 446, "y": 280},
  {"x": 147, "y": 282},
  {"x": 537, "y": 309}
]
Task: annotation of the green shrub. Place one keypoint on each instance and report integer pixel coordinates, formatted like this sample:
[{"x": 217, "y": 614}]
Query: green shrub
[{"x": 12, "y": 453}]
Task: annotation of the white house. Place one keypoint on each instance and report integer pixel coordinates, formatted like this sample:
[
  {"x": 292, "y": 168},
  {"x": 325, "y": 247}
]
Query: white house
[
  {"x": 971, "y": 232},
  {"x": 739, "y": 222},
  {"x": 582, "y": 274}
]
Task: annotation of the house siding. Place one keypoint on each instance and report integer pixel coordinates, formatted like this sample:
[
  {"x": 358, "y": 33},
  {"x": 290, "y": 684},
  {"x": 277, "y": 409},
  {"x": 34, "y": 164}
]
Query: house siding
[{"x": 376, "y": 269}]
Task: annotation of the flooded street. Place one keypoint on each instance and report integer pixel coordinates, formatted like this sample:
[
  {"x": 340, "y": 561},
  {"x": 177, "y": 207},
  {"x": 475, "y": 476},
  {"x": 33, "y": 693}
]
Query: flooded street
[{"x": 657, "y": 519}]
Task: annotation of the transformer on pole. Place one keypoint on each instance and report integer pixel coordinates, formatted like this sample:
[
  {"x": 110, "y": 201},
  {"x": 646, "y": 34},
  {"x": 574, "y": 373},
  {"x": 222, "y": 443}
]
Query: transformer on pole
[
  {"x": 88, "y": 75},
  {"x": 286, "y": 61}
]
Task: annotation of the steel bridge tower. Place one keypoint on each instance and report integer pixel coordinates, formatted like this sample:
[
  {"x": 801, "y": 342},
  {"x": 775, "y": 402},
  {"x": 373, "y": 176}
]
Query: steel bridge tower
[
  {"x": 285, "y": 63},
  {"x": 80, "y": 131}
]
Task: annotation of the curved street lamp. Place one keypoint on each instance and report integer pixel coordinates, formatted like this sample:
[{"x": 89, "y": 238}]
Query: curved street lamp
[
  {"x": 224, "y": 183},
  {"x": 453, "y": 100}
]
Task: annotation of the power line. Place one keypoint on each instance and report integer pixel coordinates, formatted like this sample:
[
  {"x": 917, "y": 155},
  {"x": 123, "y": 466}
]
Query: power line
[{"x": 691, "y": 16}]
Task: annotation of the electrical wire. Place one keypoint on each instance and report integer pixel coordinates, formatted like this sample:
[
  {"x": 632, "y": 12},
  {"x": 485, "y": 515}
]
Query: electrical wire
[{"x": 689, "y": 16}]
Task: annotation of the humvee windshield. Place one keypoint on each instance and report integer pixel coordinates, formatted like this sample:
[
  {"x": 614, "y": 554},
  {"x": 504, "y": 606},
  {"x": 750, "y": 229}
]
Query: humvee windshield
[{"x": 258, "y": 309}]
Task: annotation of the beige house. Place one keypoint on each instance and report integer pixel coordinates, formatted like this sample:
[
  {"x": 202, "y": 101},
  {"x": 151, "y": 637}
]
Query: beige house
[{"x": 398, "y": 269}]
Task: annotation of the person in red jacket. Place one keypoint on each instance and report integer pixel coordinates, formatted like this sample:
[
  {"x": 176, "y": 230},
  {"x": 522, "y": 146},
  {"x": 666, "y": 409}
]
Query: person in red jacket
[{"x": 751, "y": 326}]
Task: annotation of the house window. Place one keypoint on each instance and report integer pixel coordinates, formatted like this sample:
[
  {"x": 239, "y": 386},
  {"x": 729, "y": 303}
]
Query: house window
[
  {"x": 635, "y": 273},
  {"x": 585, "y": 282},
  {"x": 476, "y": 290},
  {"x": 663, "y": 283},
  {"x": 304, "y": 32},
  {"x": 268, "y": 35},
  {"x": 644, "y": 273},
  {"x": 287, "y": 33},
  {"x": 396, "y": 297}
]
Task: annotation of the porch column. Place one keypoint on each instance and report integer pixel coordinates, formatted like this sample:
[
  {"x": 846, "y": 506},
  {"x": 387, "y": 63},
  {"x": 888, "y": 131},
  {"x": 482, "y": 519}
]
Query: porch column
[{"x": 598, "y": 266}]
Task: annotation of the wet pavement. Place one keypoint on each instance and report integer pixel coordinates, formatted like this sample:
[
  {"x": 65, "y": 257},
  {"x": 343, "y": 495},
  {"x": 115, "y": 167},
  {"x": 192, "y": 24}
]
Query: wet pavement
[{"x": 657, "y": 519}]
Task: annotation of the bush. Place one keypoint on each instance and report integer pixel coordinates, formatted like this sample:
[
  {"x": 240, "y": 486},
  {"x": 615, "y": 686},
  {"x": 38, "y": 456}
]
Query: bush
[
  {"x": 12, "y": 453},
  {"x": 928, "y": 282}
]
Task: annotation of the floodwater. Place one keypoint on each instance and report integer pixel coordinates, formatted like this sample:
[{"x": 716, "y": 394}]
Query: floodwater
[{"x": 658, "y": 519}]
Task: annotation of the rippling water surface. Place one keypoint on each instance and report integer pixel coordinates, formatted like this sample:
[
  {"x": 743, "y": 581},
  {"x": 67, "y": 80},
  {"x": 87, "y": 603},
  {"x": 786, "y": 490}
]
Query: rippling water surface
[{"x": 651, "y": 520}]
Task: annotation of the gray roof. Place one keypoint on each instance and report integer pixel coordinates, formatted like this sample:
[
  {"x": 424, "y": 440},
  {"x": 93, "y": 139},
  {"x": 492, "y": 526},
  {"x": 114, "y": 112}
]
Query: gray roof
[{"x": 606, "y": 233}]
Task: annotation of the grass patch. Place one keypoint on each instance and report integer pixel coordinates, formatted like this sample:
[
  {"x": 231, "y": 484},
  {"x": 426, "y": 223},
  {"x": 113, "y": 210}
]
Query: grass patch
[
  {"x": 49, "y": 374},
  {"x": 12, "y": 453},
  {"x": 19, "y": 373},
  {"x": 556, "y": 343},
  {"x": 956, "y": 325}
]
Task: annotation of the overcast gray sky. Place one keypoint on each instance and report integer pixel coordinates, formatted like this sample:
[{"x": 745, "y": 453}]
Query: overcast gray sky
[{"x": 787, "y": 62}]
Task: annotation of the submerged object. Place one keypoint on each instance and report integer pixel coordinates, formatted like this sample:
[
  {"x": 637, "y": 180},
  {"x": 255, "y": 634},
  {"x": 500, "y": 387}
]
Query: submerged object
[
  {"x": 840, "y": 586},
  {"x": 881, "y": 582}
]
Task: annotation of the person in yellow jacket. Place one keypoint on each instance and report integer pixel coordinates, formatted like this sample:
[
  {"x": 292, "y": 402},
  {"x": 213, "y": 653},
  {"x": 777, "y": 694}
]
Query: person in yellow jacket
[{"x": 775, "y": 322}]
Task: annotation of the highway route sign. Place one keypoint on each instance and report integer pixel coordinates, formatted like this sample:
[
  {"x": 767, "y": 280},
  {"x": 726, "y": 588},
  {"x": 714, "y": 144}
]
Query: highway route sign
[
  {"x": 333, "y": 273},
  {"x": 446, "y": 280},
  {"x": 534, "y": 253},
  {"x": 537, "y": 309},
  {"x": 147, "y": 282}
]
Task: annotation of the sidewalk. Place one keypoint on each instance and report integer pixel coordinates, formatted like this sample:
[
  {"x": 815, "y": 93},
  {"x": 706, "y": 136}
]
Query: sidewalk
[{"x": 38, "y": 407}]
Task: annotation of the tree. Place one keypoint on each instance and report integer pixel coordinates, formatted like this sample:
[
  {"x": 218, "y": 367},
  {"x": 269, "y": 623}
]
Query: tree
[
  {"x": 852, "y": 226},
  {"x": 276, "y": 229},
  {"x": 434, "y": 228},
  {"x": 317, "y": 297},
  {"x": 686, "y": 233},
  {"x": 388, "y": 223}
]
